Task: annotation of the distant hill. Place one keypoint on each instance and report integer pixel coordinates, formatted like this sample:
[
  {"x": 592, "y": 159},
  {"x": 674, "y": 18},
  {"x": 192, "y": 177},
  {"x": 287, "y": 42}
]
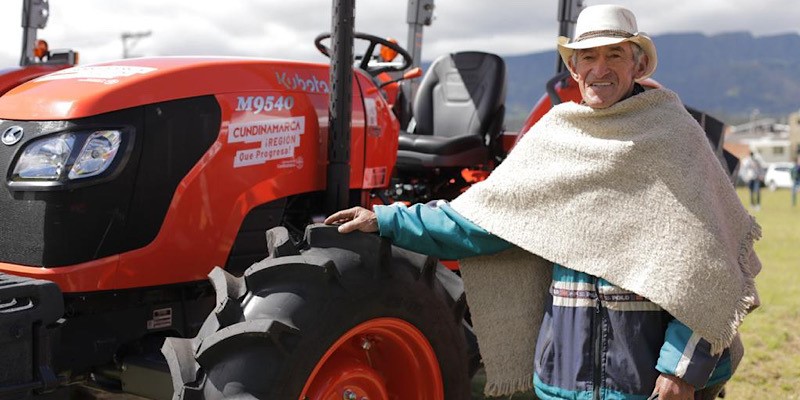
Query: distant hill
[
  {"x": 728, "y": 75},
  {"x": 732, "y": 73}
]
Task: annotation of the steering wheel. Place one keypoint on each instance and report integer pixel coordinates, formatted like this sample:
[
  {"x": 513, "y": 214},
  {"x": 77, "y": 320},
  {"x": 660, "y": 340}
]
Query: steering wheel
[{"x": 374, "y": 41}]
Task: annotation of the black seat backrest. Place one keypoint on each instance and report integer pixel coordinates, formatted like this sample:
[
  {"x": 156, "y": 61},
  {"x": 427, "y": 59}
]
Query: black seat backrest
[{"x": 461, "y": 94}]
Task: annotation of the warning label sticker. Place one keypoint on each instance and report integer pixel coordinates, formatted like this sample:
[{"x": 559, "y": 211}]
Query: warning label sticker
[
  {"x": 162, "y": 318},
  {"x": 372, "y": 111},
  {"x": 278, "y": 138}
]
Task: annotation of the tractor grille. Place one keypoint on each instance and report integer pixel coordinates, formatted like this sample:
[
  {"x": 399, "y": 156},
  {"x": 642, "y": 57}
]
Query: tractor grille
[
  {"x": 57, "y": 227},
  {"x": 68, "y": 226}
]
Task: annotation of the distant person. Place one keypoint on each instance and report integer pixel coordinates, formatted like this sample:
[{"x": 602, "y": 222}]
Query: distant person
[
  {"x": 795, "y": 180},
  {"x": 633, "y": 279},
  {"x": 752, "y": 173}
]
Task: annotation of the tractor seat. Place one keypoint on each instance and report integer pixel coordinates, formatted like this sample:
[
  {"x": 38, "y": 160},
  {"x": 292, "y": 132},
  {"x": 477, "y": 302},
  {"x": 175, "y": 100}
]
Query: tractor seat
[{"x": 458, "y": 110}]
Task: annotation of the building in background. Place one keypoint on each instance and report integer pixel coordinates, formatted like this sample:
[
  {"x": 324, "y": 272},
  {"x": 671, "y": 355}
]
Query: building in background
[{"x": 765, "y": 137}]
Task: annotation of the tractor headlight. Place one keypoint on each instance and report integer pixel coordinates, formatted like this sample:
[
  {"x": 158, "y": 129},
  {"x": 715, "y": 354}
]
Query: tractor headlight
[
  {"x": 65, "y": 159},
  {"x": 96, "y": 155},
  {"x": 45, "y": 159}
]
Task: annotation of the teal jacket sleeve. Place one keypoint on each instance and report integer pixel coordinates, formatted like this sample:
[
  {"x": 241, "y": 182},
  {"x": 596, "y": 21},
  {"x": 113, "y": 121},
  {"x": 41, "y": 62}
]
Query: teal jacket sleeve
[
  {"x": 688, "y": 356},
  {"x": 436, "y": 230}
]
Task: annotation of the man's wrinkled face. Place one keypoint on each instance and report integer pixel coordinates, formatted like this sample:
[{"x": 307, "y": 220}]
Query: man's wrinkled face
[{"x": 606, "y": 74}]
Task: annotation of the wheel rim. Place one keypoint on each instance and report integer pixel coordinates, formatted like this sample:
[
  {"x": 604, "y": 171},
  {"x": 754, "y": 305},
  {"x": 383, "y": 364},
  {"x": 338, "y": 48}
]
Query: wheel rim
[{"x": 380, "y": 359}]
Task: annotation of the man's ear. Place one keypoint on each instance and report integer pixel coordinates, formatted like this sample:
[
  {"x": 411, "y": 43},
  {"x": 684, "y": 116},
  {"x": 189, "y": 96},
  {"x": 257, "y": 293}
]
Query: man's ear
[
  {"x": 644, "y": 61},
  {"x": 571, "y": 68}
]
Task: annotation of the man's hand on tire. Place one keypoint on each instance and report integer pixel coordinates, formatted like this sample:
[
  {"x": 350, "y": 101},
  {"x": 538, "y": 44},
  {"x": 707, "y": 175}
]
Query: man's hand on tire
[{"x": 354, "y": 219}]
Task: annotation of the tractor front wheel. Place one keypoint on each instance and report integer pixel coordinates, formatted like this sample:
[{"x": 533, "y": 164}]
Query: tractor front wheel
[{"x": 343, "y": 317}]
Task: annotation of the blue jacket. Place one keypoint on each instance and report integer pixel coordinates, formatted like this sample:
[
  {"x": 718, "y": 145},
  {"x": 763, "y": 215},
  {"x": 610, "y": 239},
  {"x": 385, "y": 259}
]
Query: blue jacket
[{"x": 597, "y": 340}]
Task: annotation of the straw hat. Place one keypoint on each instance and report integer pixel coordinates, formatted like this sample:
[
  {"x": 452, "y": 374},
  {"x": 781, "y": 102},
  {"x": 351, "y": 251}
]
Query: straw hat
[{"x": 602, "y": 25}]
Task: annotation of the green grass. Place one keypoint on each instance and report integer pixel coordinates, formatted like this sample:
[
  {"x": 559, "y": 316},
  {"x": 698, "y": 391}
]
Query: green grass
[{"x": 771, "y": 334}]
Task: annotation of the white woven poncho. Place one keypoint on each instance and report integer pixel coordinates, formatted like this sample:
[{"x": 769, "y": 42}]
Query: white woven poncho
[{"x": 633, "y": 194}]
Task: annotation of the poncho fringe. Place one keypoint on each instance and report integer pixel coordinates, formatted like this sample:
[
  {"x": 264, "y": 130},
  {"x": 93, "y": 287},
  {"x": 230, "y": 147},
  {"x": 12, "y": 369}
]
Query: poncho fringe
[{"x": 496, "y": 389}]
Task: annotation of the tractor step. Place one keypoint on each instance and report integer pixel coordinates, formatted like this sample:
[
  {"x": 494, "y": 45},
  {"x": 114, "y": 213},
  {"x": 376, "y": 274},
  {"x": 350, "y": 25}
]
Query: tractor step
[{"x": 27, "y": 308}]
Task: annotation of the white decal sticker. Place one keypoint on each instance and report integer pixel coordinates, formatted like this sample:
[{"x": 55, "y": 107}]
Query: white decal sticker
[
  {"x": 374, "y": 177},
  {"x": 256, "y": 104},
  {"x": 162, "y": 318},
  {"x": 278, "y": 137},
  {"x": 107, "y": 74},
  {"x": 372, "y": 111}
]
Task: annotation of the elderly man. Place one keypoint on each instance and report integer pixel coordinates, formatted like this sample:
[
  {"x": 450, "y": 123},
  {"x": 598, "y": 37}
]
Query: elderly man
[{"x": 632, "y": 251}]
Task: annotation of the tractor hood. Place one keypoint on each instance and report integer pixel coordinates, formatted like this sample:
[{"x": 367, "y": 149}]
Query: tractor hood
[
  {"x": 100, "y": 88},
  {"x": 15, "y": 76}
]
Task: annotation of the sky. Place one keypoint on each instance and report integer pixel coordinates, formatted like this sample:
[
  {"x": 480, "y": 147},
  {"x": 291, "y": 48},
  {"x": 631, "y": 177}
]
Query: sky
[{"x": 286, "y": 29}]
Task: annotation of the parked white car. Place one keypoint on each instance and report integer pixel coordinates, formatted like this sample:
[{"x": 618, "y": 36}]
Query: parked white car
[{"x": 779, "y": 175}]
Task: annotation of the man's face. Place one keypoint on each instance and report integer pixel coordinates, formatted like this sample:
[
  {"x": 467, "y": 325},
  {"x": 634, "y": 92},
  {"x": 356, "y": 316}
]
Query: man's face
[{"x": 606, "y": 74}]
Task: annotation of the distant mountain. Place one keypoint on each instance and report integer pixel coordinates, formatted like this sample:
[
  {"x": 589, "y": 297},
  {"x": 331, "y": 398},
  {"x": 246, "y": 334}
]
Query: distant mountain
[
  {"x": 728, "y": 75},
  {"x": 732, "y": 73}
]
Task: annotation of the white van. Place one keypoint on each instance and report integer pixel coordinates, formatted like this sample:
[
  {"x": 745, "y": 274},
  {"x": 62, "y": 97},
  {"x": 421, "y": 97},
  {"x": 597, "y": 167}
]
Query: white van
[{"x": 779, "y": 175}]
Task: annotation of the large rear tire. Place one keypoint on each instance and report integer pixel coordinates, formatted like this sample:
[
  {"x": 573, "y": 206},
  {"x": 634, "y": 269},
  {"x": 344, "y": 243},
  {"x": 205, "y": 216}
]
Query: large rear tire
[{"x": 345, "y": 316}]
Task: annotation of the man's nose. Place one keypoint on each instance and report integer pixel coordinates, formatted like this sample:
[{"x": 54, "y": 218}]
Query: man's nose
[{"x": 601, "y": 67}]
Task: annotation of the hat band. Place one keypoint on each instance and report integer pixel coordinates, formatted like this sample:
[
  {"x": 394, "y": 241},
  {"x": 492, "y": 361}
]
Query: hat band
[{"x": 604, "y": 33}]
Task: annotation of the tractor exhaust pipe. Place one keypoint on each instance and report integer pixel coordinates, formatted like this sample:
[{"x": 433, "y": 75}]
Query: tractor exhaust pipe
[{"x": 340, "y": 105}]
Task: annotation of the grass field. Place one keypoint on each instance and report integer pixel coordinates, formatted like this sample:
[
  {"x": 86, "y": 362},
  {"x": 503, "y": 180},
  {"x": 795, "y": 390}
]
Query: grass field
[{"x": 771, "y": 334}]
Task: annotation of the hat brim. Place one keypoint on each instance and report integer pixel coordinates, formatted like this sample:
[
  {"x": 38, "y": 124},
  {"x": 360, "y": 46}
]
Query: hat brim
[{"x": 566, "y": 49}]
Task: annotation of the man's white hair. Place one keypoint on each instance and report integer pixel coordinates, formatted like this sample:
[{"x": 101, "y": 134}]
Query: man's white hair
[{"x": 638, "y": 52}]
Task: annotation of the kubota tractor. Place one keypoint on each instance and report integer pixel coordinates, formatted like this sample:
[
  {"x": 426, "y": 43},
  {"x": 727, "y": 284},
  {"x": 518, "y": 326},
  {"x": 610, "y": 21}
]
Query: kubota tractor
[{"x": 127, "y": 182}]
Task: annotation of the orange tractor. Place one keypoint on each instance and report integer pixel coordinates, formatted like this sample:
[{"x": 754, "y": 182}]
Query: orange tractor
[{"x": 126, "y": 183}]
